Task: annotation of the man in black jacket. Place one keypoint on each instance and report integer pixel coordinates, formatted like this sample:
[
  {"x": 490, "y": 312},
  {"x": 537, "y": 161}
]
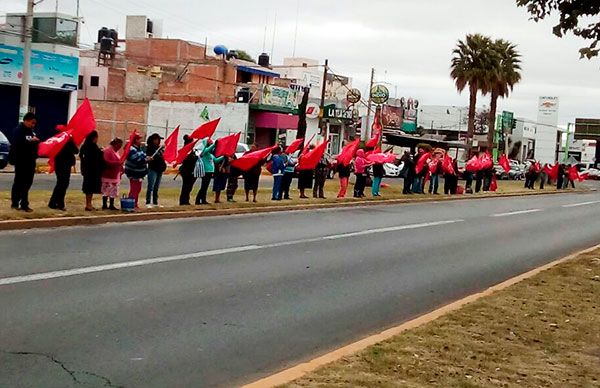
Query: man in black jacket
[{"x": 23, "y": 156}]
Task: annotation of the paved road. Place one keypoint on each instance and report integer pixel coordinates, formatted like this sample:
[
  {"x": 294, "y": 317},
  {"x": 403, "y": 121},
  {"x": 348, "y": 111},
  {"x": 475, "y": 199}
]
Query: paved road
[{"x": 220, "y": 302}]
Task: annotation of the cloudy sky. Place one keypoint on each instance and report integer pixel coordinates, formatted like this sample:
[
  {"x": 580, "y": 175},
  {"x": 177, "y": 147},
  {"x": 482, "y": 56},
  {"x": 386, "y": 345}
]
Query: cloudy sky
[{"x": 409, "y": 43}]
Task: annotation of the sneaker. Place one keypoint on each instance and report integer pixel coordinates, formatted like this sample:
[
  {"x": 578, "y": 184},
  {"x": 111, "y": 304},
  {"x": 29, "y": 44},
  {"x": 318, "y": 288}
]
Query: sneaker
[{"x": 149, "y": 206}]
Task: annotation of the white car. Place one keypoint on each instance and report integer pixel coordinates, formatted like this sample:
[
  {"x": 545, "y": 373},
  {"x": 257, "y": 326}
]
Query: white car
[
  {"x": 391, "y": 170},
  {"x": 242, "y": 148}
]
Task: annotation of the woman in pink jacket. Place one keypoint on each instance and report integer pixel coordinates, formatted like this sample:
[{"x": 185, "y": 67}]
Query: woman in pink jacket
[
  {"x": 111, "y": 174},
  {"x": 360, "y": 169}
]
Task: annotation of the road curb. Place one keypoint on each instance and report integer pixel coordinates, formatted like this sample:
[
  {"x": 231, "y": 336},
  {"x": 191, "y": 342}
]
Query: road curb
[
  {"x": 300, "y": 370},
  {"x": 55, "y": 222}
]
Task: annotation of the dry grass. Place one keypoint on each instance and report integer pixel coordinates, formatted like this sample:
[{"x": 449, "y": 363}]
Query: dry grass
[
  {"x": 542, "y": 332},
  {"x": 169, "y": 198}
]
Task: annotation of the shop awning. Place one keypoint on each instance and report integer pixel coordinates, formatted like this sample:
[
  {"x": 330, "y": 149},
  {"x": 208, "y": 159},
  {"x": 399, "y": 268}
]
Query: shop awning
[{"x": 275, "y": 120}]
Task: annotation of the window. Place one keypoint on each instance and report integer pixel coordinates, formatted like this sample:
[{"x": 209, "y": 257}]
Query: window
[
  {"x": 80, "y": 83},
  {"x": 95, "y": 80},
  {"x": 55, "y": 30}
]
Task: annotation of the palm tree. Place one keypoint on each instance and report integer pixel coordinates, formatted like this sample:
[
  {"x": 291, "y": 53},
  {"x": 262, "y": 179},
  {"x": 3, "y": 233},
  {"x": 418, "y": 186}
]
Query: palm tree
[
  {"x": 505, "y": 77},
  {"x": 472, "y": 66}
]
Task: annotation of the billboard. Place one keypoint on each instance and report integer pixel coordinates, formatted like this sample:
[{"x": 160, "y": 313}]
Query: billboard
[
  {"x": 587, "y": 128},
  {"x": 392, "y": 117},
  {"x": 280, "y": 97},
  {"x": 48, "y": 70}
]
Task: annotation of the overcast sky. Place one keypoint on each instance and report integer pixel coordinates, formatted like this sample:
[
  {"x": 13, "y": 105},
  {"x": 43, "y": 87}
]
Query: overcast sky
[{"x": 408, "y": 42}]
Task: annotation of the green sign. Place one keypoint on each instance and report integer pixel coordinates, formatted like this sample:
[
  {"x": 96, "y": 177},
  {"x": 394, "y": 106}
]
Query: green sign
[{"x": 507, "y": 120}]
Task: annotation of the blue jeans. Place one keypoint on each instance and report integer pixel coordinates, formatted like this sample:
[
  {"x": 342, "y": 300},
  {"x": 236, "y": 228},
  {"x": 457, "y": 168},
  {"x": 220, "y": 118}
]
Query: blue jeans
[
  {"x": 376, "y": 186},
  {"x": 434, "y": 185},
  {"x": 277, "y": 181},
  {"x": 154, "y": 178},
  {"x": 418, "y": 185}
]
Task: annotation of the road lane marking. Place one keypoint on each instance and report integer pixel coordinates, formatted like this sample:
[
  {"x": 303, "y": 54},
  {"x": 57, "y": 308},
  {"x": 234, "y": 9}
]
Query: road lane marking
[
  {"x": 391, "y": 229},
  {"x": 517, "y": 213},
  {"x": 581, "y": 204},
  {"x": 215, "y": 252}
]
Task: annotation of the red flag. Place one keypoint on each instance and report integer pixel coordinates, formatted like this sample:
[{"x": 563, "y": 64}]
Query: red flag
[
  {"x": 421, "y": 162},
  {"x": 295, "y": 146},
  {"x": 206, "y": 129},
  {"x": 82, "y": 123},
  {"x": 374, "y": 142},
  {"x": 573, "y": 173},
  {"x": 381, "y": 158},
  {"x": 307, "y": 146},
  {"x": 171, "y": 145},
  {"x": 310, "y": 160},
  {"x": 227, "y": 145},
  {"x": 347, "y": 154},
  {"x": 128, "y": 145},
  {"x": 505, "y": 163},
  {"x": 51, "y": 147},
  {"x": 447, "y": 165},
  {"x": 185, "y": 151},
  {"x": 486, "y": 162},
  {"x": 494, "y": 184},
  {"x": 473, "y": 165},
  {"x": 552, "y": 171},
  {"x": 433, "y": 165},
  {"x": 251, "y": 159}
]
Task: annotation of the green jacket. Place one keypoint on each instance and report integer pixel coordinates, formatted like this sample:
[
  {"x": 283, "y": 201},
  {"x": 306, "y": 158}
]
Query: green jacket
[{"x": 207, "y": 156}]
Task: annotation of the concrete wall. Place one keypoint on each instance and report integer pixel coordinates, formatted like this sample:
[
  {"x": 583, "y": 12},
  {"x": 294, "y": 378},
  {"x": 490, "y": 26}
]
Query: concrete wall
[
  {"x": 234, "y": 116},
  {"x": 140, "y": 87}
]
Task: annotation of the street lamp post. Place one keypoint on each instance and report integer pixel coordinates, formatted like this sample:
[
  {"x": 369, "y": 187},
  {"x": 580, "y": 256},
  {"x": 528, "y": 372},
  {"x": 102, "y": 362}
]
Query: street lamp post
[{"x": 24, "y": 100}]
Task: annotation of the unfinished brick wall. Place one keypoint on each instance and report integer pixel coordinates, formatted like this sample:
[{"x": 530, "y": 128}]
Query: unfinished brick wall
[{"x": 118, "y": 119}]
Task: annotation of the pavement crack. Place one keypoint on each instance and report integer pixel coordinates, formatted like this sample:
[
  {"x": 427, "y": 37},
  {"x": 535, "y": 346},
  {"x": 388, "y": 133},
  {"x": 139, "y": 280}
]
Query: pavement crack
[{"x": 72, "y": 373}]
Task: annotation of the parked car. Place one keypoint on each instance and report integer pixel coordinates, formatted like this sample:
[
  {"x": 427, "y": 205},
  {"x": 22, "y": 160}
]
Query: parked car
[
  {"x": 242, "y": 148},
  {"x": 592, "y": 173},
  {"x": 4, "y": 148}
]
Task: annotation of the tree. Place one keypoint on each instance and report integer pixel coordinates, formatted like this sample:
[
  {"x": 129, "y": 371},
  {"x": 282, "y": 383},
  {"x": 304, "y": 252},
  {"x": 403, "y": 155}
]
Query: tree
[
  {"x": 243, "y": 55},
  {"x": 571, "y": 12},
  {"x": 507, "y": 74},
  {"x": 472, "y": 66},
  {"x": 482, "y": 122}
]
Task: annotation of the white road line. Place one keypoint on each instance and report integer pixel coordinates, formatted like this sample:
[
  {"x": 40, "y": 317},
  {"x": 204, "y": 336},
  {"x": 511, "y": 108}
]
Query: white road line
[
  {"x": 215, "y": 252},
  {"x": 581, "y": 204},
  {"x": 516, "y": 213}
]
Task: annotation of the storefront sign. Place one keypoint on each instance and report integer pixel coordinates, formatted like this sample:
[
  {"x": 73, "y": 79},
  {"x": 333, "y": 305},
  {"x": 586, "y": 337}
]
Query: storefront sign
[
  {"x": 312, "y": 110},
  {"x": 333, "y": 112},
  {"x": 278, "y": 96},
  {"x": 392, "y": 116},
  {"x": 48, "y": 70},
  {"x": 380, "y": 94},
  {"x": 353, "y": 96}
]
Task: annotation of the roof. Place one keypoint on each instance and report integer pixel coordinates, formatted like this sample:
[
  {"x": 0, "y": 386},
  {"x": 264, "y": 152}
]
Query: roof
[{"x": 253, "y": 68}]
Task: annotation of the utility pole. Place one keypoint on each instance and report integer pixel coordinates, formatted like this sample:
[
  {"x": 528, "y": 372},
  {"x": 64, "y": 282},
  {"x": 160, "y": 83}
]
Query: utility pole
[
  {"x": 323, "y": 89},
  {"x": 24, "y": 104},
  {"x": 368, "y": 128}
]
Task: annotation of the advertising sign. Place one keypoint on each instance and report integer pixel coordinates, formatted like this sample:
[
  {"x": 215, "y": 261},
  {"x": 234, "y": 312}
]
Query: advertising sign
[
  {"x": 392, "y": 116},
  {"x": 48, "y": 70},
  {"x": 380, "y": 94},
  {"x": 281, "y": 97},
  {"x": 334, "y": 112}
]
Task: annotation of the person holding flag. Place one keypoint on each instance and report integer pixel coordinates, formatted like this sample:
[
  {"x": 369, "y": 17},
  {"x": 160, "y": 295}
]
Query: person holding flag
[
  {"x": 288, "y": 174},
  {"x": 360, "y": 169},
  {"x": 136, "y": 167},
  {"x": 205, "y": 167},
  {"x": 111, "y": 174},
  {"x": 252, "y": 176},
  {"x": 321, "y": 172},
  {"x": 92, "y": 164},
  {"x": 63, "y": 164},
  {"x": 156, "y": 167},
  {"x": 186, "y": 170},
  {"x": 277, "y": 169}
]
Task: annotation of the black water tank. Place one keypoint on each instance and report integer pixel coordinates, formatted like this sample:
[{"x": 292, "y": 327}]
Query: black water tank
[
  {"x": 264, "y": 60},
  {"x": 243, "y": 95},
  {"x": 114, "y": 35},
  {"x": 106, "y": 45},
  {"x": 103, "y": 32}
]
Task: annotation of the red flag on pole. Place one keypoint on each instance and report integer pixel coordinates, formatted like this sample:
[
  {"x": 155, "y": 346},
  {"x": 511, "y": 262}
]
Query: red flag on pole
[
  {"x": 486, "y": 162},
  {"x": 82, "y": 123},
  {"x": 206, "y": 129},
  {"x": 307, "y": 146},
  {"x": 128, "y": 145},
  {"x": 381, "y": 158},
  {"x": 51, "y": 147},
  {"x": 251, "y": 159},
  {"x": 504, "y": 163},
  {"x": 295, "y": 146},
  {"x": 374, "y": 142},
  {"x": 473, "y": 165},
  {"x": 185, "y": 151},
  {"x": 227, "y": 145},
  {"x": 171, "y": 145},
  {"x": 447, "y": 165},
  {"x": 310, "y": 160},
  {"x": 421, "y": 162},
  {"x": 347, "y": 154}
]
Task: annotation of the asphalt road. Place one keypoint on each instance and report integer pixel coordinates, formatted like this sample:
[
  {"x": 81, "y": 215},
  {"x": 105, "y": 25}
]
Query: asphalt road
[{"x": 224, "y": 301}]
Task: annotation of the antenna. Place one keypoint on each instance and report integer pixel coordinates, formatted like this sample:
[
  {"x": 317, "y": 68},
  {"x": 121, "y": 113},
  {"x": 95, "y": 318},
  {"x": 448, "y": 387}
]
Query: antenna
[
  {"x": 265, "y": 35},
  {"x": 296, "y": 31},
  {"x": 274, "y": 32}
]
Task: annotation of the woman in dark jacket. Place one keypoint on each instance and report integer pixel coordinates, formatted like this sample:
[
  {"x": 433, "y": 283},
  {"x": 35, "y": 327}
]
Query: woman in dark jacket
[
  {"x": 156, "y": 168},
  {"x": 92, "y": 163},
  {"x": 136, "y": 168},
  {"x": 63, "y": 164}
]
